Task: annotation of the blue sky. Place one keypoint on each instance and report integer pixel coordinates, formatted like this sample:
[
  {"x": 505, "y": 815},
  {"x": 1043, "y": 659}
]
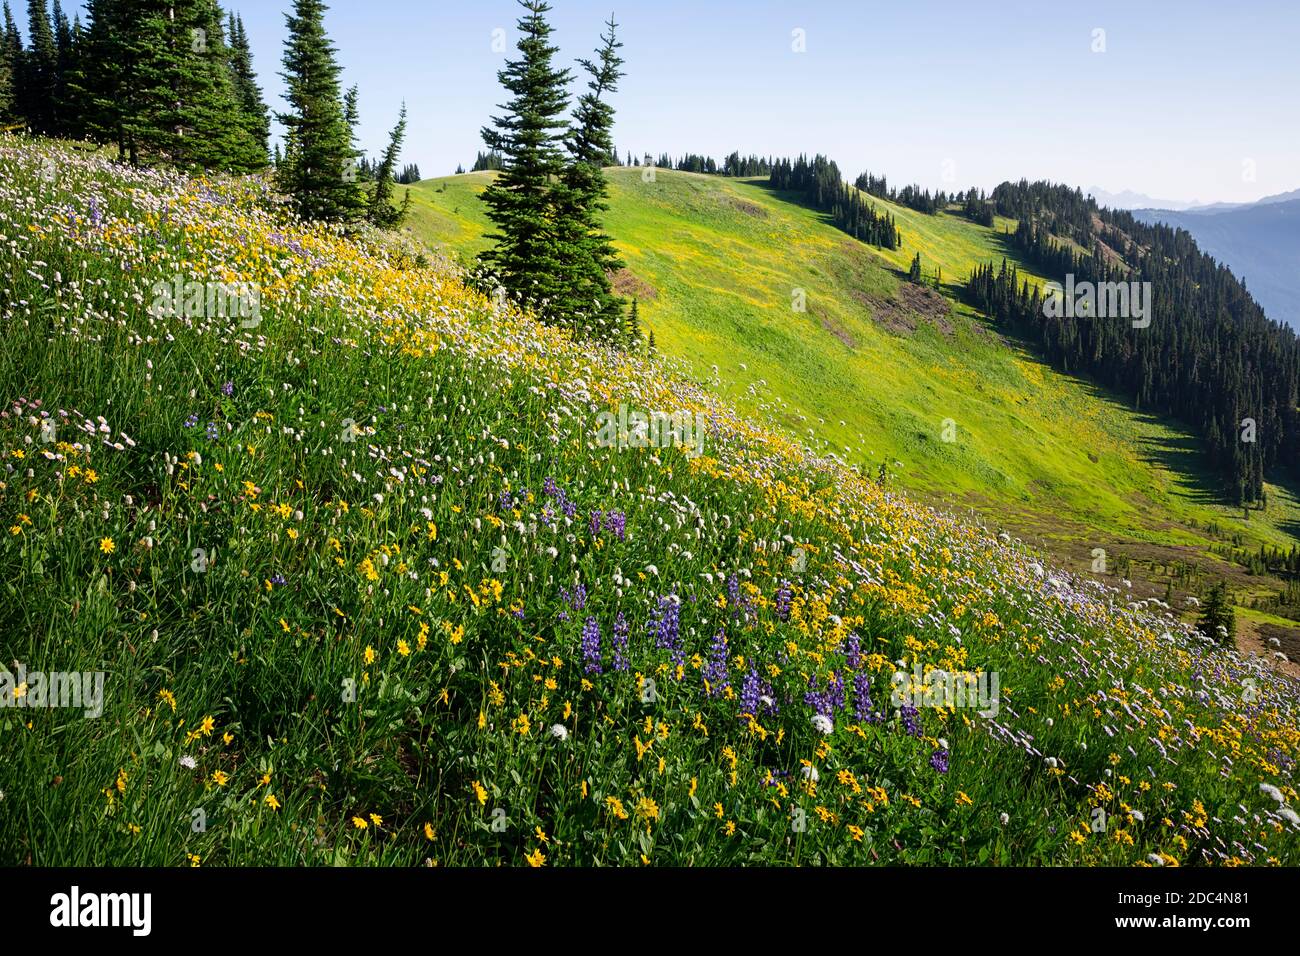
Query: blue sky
[{"x": 1188, "y": 99}]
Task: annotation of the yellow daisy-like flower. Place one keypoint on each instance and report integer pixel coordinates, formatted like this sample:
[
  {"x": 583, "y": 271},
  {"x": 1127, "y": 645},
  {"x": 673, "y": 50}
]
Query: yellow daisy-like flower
[
  {"x": 219, "y": 778},
  {"x": 107, "y": 546},
  {"x": 480, "y": 793},
  {"x": 360, "y": 823},
  {"x": 271, "y": 802},
  {"x": 206, "y": 725},
  {"x": 369, "y": 656},
  {"x": 428, "y": 831},
  {"x": 536, "y": 858},
  {"x": 376, "y": 819}
]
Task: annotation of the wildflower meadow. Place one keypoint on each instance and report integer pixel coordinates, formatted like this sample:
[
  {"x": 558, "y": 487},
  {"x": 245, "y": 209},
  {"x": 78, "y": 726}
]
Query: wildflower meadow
[{"x": 354, "y": 577}]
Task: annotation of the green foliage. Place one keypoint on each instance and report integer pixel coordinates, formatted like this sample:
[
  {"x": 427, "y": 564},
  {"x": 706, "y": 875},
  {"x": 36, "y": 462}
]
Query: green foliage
[
  {"x": 589, "y": 305},
  {"x": 528, "y": 259},
  {"x": 1218, "y": 620},
  {"x": 381, "y": 211},
  {"x": 253, "y": 109},
  {"x": 319, "y": 168}
]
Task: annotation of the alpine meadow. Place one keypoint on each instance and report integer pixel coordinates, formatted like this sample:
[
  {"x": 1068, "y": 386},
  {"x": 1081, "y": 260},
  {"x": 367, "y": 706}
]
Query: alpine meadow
[{"x": 675, "y": 484}]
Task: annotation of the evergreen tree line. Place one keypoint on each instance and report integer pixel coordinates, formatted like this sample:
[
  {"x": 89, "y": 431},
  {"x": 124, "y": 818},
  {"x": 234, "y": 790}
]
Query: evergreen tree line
[
  {"x": 733, "y": 165},
  {"x": 976, "y": 207},
  {"x": 369, "y": 170},
  {"x": 1210, "y": 357},
  {"x": 913, "y": 197},
  {"x": 485, "y": 161},
  {"x": 1276, "y": 561},
  {"x": 821, "y": 186},
  {"x": 549, "y": 251},
  {"x": 172, "y": 82}
]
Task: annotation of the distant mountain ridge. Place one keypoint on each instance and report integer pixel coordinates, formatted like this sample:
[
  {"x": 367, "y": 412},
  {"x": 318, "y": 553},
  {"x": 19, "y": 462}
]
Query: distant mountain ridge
[{"x": 1259, "y": 242}]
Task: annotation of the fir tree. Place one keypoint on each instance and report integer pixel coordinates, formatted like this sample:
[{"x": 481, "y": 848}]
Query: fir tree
[
  {"x": 39, "y": 71},
  {"x": 319, "y": 166},
  {"x": 256, "y": 118},
  {"x": 381, "y": 211},
  {"x": 633, "y": 326},
  {"x": 525, "y": 258},
  {"x": 1218, "y": 619},
  {"x": 589, "y": 304},
  {"x": 187, "y": 97},
  {"x": 11, "y": 54},
  {"x": 66, "y": 119}
]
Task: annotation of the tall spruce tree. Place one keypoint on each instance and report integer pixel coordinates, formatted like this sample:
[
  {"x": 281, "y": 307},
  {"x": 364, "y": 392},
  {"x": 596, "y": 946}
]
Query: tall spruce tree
[
  {"x": 66, "y": 118},
  {"x": 188, "y": 99},
  {"x": 11, "y": 53},
  {"x": 525, "y": 258},
  {"x": 319, "y": 168},
  {"x": 590, "y": 305},
  {"x": 39, "y": 72},
  {"x": 256, "y": 118},
  {"x": 381, "y": 212}
]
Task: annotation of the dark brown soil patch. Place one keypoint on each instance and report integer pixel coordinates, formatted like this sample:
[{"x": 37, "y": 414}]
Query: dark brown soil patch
[{"x": 630, "y": 285}]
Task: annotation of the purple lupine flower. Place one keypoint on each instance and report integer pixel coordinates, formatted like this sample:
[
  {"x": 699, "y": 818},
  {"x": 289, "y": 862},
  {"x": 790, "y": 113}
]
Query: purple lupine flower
[
  {"x": 715, "y": 670},
  {"x": 212, "y": 431},
  {"x": 784, "y": 598},
  {"x": 228, "y": 389},
  {"x": 620, "y": 643},
  {"x": 567, "y": 506},
  {"x": 939, "y": 761},
  {"x": 733, "y": 592},
  {"x": 278, "y": 579},
  {"x": 909, "y": 715},
  {"x": 595, "y": 523},
  {"x": 751, "y": 688},
  {"x": 666, "y": 628},
  {"x": 817, "y": 699},
  {"x": 862, "y": 708},
  {"x": 191, "y": 421},
  {"x": 550, "y": 488},
  {"x": 835, "y": 692},
  {"x": 577, "y": 598},
  {"x": 591, "y": 646},
  {"x": 666, "y": 625},
  {"x": 615, "y": 521},
  {"x": 853, "y": 652},
  {"x": 756, "y": 695}
]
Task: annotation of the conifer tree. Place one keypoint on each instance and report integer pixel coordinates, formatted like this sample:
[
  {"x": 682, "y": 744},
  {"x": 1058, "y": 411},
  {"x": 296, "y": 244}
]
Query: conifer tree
[
  {"x": 1218, "y": 613},
  {"x": 381, "y": 211},
  {"x": 39, "y": 71},
  {"x": 11, "y": 52},
  {"x": 187, "y": 97},
  {"x": 589, "y": 304},
  {"x": 525, "y": 258},
  {"x": 319, "y": 167},
  {"x": 67, "y": 111},
  {"x": 256, "y": 118}
]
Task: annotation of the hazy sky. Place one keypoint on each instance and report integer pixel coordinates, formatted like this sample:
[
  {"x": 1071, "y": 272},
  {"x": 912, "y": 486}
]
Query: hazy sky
[{"x": 1189, "y": 100}]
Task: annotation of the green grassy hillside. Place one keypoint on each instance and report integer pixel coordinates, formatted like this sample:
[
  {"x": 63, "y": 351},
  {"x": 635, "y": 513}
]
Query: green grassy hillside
[
  {"x": 874, "y": 367},
  {"x": 352, "y": 579}
]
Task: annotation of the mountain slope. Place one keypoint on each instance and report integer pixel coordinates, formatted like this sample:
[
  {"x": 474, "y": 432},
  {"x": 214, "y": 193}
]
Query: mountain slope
[
  {"x": 1259, "y": 242},
  {"x": 876, "y": 366},
  {"x": 365, "y": 588}
]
